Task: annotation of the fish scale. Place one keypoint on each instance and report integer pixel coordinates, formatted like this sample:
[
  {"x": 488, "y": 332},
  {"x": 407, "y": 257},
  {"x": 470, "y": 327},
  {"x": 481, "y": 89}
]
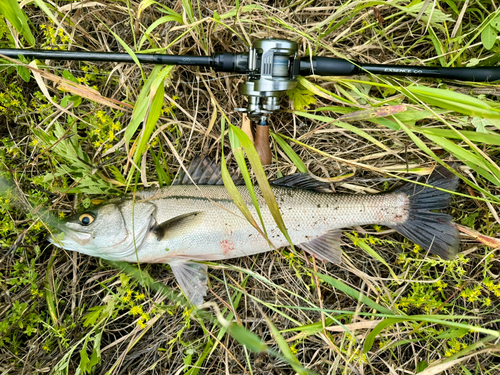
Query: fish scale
[{"x": 182, "y": 224}]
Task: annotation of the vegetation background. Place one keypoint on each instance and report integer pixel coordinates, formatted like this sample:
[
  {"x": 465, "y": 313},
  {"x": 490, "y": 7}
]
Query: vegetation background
[{"x": 76, "y": 133}]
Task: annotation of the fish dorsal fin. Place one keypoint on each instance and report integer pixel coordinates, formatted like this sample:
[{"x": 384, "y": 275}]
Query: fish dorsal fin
[
  {"x": 325, "y": 247},
  {"x": 192, "y": 278},
  {"x": 203, "y": 171},
  {"x": 302, "y": 181},
  {"x": 178, "y": 226}
]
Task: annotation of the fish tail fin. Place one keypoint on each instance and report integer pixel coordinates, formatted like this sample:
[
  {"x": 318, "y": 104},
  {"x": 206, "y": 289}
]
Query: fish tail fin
[{"x": 430, "y": 230}]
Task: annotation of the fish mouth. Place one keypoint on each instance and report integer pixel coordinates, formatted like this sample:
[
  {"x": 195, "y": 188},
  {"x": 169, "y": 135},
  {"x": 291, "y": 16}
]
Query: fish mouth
[{"x": 60, "y": 237}]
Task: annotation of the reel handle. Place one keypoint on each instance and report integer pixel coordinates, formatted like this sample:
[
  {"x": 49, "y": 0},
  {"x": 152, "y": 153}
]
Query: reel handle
[{"x": 262, "y": 142}]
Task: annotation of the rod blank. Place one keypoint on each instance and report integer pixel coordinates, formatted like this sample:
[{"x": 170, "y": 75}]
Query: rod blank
[
  {"x": 328, "y": 66},
  {"x": 228, "y": 62}
]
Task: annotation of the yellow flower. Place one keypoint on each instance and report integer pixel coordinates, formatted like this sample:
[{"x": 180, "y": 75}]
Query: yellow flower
[
  {"x": 126, "y": 299},
  {"x": 145, "y": 317},
  {"x": 139, "y": 296},
  {"x": 136, "y": 310},
  {"x": 62, "y": 215},
  {"x": 141, "y": 324},
  {"x": 441, "y": 285}
]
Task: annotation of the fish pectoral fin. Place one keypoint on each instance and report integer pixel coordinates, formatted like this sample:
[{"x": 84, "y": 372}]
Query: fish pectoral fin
[
  {"x": 325, "y": 247},
  {"x": 178, "y": 225},
  {"x": 192, "y": 278}
]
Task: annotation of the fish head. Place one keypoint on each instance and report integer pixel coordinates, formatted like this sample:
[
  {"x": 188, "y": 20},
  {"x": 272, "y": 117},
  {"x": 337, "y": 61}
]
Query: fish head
[{"x": 111, "y": 231}]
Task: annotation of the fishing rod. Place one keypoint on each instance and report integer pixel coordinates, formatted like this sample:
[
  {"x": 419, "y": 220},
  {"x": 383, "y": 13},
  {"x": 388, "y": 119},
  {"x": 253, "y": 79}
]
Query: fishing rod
[{"x": 272, "y": 66}]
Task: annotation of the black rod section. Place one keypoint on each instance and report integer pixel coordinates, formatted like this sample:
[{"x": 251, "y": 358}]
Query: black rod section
[
  {"x": 325, "y": 66},
  {"x": 221, "y": 62},
  {"x": 109, "y": 56}
]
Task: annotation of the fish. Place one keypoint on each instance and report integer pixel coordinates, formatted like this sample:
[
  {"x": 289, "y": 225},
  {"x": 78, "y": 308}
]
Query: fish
[{"x": 196, "y": 220}]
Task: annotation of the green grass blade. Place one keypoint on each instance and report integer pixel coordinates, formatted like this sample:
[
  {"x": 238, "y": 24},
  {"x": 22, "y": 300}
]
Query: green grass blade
[
  {"x": 454, "y": 101},
  {"x": 265, "y": 188},
  {"x": 348, "y": 162},
  {"x": 233, "y": 191},
  {"x": 290, "y": 153},
  {"x": 240, "y": 159},
  {"x": 163, "y": 177},
  {"x": 370, "y": 339},
  {"x": 155, "y": 104},
  {"x": 344, "y": 125},
  {"x": 129, "y": 51},
  {"x": 337, "y": 284},
  {"x": 158, "y": 22},
  {"x": 141, "y": 105},
  {"x": 363, "y": 245},
  {"x": 320, "y": 91},
  {"x": 247, "y": 338},
  {"x": 285, "y": 349},
  {"x": 486, "y": 138},
  {"x": 243, "y": 9},
  {"x": 15, "y": 15}
]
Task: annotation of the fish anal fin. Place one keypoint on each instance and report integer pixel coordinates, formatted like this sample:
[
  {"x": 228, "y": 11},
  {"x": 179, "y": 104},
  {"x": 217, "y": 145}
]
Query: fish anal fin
[
  {"x": 325, "y": 247},
  {"x": 192, "y": 278},
  {"x": 178, "y": 225},
  {"x": 302, "y": 181}
]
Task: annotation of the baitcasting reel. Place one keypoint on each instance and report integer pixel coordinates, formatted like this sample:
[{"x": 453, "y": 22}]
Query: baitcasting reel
[{"x": 273, "y": 68}]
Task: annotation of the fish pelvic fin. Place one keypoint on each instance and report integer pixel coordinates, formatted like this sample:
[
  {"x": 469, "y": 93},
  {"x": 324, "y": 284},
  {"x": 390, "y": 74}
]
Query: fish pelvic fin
[
  {"x": 325, "y": 247},
  {"x": 432, "y": 231},
  {"x": 192, "y": 278}
]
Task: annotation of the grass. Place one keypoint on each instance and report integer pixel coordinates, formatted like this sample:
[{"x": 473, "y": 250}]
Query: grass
[{"x": 96, "y": 130}]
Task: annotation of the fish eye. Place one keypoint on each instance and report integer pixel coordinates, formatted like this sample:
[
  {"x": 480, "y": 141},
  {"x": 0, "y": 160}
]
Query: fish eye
[{"x": 86, "y": 218}]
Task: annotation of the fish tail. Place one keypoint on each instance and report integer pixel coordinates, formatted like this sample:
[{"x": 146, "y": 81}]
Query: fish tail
[{"x": 431, "y": 230}]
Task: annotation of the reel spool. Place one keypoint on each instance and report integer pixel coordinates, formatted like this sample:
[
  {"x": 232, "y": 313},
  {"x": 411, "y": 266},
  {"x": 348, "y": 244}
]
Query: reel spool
[{"x": 273, "y": 68}]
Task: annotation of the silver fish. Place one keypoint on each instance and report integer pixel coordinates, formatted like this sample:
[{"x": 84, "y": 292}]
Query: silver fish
[{"x": 185, "y": 223}]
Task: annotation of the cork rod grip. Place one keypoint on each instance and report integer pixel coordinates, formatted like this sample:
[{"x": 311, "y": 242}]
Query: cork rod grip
[{"x": 262, "y": 144}]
